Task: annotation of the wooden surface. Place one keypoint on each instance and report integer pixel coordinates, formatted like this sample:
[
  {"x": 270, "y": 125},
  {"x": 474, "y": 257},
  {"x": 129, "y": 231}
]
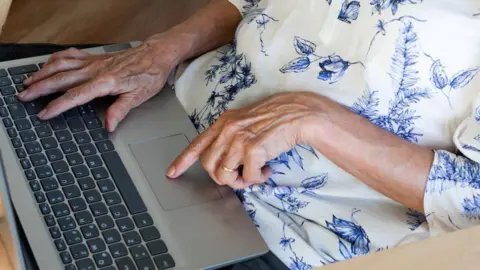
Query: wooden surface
[{"x": 92, "y": 21}]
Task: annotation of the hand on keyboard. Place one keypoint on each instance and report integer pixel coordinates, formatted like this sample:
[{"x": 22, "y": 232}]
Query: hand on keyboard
[{"x": 135, "y": 75}]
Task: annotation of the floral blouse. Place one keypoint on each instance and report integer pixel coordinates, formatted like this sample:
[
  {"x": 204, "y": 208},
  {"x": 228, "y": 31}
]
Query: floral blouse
[{"x": 411, "y": 67}]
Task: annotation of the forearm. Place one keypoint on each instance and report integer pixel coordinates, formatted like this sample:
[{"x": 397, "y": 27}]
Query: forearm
[
  {"x": 211, "y": 27},
  {"x": 392, "y": 166}
]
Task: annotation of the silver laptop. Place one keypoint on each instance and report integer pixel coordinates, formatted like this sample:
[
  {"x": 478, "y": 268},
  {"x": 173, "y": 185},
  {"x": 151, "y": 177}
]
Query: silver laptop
[{"x": 91, "y": 200}]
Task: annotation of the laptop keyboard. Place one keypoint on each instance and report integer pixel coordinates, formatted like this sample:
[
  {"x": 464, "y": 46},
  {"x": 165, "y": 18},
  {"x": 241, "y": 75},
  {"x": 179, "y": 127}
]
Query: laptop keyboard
[{"x": 93, "y": 211}]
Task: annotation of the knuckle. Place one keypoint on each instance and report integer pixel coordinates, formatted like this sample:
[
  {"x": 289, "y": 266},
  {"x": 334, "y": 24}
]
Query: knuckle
[{"x": 230, "y": 126}]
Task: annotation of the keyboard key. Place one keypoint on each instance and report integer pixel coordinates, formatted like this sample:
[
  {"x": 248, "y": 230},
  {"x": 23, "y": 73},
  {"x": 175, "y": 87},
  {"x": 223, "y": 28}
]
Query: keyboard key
[
  {"x": 71, "y": 267},
  {"x": 99, "y": 134},
  {"x": 7, "y": 90},
  {"x": 80, "y": 171},
  {"x": 125, "y": 224},
  {"x": 10, "y": 99},
  {"x": 149, "y": 233},
  {"x": 164, "y": 261},
  {"x": 3, "y": 112},
  {"x": 75, "y": 125},
  {"x": 34, "y": 185},
  {"x": 105, "y": 185},
  {"x": 40, "y": 65},
  {"x": 16, "y": 142},
  {"x": 25, "y": 164},
  {"x": 17, "y": 111},
  {"x": 43, "y": 131},
  {"x": 1, "y": 102},
  {"x": 111, "y": 236},
  {"x": 5, "y": 82},
  {"x": 53, "y": 154},
  {"x": 34, "y": 147},
  {"x": 92, "y": 196},
  {"x": 55, "y": 232},
  {"x": 12, "y": 132},
  {"x": 118, "y": 250},
  {"x": 3, "y": 73},
  {"x": 20, "y": 88},
  {"x": 58, "y": 123},
  {"x": 37, "y": 159},
  {"x": 21, "y": 153},
  {"x": 39, "y": 196},
  {"x": 60, "y": 166},
  {"x": 43, "y": 171},
  {"x": 90, "y": 231},
  {"x": 33, "y": 107},
  {"x": 79, "y": 251},
  {"x": 49, "y": 184},
  {"x": 92, "y": 122},
  {"x": 28, "y": 136},
  {"x": 105, "y": 222},
  {"x": 55, "y": 196},
  {"x": 60, "y": 210},
  {"x": 66, "y": 223},
  {"x": 74, "y": 159},
  {"x": 85, "y": 264},
  {"x": 118, "y": 211},
  {"x": 93, "y": 161},
  {"x": 72, "y": 113},
  {"x": 22, "y": 124},
  {"x": 60, "y": 244},
  {"x": 30, "y": 174},
  {"x": 143, "y": 220},
  {"x": 112, "y": 198},
  {"x": 36, "y": 121},
  {"x": 7, "y": 122},
  {"x": 44, "y": 208},
  {"x": 132, "y": 238},
  {"x": 86, "y": 110},
  {"x": 145, "y": 264},
  {"x": 98, "y": 209},
  {"x": 65, "y": 256},
  {"x": 105, "y": 146},
  {"x": 50, "y": 220},
  {"x": 83, "y": 218},
  {"x": 82, "y": 138},
  {"x": 101, "y": 173},
  {"x": 63, "y": 136},
  {"x": 86, "y": 183},
  {"x": 125, "y": 264},
  {"x": 138, "y": 252},
  {"x": 68, "y": 147},
  {"x": 71, "y": 191},
  {"x": 157, "y": 247},
  {"x": 96, "y": 245},
  {"x": 102, "y": 259},
  {"x": 22, "y": 69},
  {"x": 77, "y": 204},
  {"x": 65, "y": 179},
  {"x": 72, "y": 237},
  {"x": 124, "y": 183},
  {"x": 18, "y": 79},
  {"x": 49, "y": 143},
  {"x": 88, "y": 149}
]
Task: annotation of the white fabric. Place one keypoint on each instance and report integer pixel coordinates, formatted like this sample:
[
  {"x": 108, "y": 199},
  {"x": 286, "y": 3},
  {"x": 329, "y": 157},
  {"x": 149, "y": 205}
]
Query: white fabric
[{"x": 409, "y": 66}]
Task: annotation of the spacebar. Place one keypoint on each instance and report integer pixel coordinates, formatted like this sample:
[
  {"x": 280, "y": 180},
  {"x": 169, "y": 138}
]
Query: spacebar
[{"x": 124, "y": 183}]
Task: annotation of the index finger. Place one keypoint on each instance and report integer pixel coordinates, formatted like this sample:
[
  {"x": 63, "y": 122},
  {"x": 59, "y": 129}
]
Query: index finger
[{"x": 192, "y": 153}]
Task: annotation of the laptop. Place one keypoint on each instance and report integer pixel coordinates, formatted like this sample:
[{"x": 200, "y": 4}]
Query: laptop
[{"x": 88, "y": 200}]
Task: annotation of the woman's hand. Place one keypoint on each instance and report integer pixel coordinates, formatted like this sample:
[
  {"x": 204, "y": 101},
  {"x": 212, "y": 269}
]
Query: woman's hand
[
  {"x": 251, "y": 137},
  {"x": 135, "y": 75}
]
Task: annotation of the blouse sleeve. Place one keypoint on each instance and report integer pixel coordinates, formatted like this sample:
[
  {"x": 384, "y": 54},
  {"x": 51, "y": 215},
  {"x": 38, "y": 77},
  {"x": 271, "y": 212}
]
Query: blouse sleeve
[{"x": 452, "y": 194}]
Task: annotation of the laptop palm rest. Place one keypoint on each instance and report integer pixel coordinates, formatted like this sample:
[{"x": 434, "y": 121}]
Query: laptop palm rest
[{"x": 193, "y": 188}]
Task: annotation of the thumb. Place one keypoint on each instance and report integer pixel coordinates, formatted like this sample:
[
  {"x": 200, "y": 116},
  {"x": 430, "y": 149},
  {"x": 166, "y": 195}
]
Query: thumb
[{"x": 118, "y": 110}]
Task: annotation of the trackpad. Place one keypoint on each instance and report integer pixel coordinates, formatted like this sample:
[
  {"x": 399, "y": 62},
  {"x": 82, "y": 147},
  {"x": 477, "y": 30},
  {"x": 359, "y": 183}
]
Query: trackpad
[{"x": 194, "y": 187}]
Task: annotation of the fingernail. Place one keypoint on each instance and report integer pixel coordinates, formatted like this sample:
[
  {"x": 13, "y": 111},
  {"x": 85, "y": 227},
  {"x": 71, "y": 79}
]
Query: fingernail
[
  {"x": 28, "y": 80},
  {"x": 42, "y": 113},
  {"x": 171, "y": 171},
  {"x": 113, "y": 125},
  {"x": 22, "y": 94}
]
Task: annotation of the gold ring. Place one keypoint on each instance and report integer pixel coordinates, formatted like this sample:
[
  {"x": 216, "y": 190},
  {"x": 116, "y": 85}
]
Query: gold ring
[{"x": 228, "y": 169}]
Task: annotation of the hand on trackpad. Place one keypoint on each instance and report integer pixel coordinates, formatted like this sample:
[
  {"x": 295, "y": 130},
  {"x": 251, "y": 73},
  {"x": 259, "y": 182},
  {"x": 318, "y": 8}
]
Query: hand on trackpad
[{"x": 192, "y": 188}]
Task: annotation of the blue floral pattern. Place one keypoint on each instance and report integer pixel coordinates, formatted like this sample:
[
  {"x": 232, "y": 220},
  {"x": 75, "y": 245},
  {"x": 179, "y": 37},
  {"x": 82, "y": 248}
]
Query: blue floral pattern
[
  {"x": 349, "y": 11},
  {"x": 296, "y": 262},
  {"x": 471, "y": 207},
  {"x": 332, "y": 67},
  {"x": 380, "y": 5},
  {"x": 415, "y": 219}
]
